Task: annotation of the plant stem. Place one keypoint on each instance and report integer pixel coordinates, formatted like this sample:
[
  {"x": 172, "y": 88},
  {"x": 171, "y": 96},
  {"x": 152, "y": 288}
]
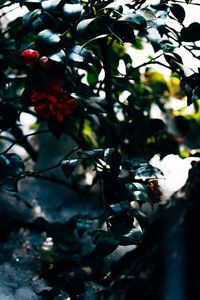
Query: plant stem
[
  {"x": 108, "y": 80},
  {"x": 24, "y": 137}
]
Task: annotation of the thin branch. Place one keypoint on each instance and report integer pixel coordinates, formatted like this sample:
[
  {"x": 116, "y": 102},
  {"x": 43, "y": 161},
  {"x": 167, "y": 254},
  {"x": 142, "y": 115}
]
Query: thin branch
[
  {"x": 24, "y": 137},
  {"x": 181, "y": 2}
]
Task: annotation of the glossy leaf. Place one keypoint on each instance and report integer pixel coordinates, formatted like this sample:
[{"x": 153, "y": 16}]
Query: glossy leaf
[
  {"x": 133, "y": 237},
  {"x": 94, "y": 24},
  {"x": 50, "y": 5},
  {"x": 136, "y": 20},
  {"x": 95, "y": 153},
  {"x": 105, "y": 243},
  {"x": 120, "y": 207},
  {"x": 11, "y": 168},
  {"x": 47, "y": 41},
  {"x": 178, "y": 11},
  {"x": 112, "y": 158},
  {"x": 78, "y": 54},
  {"x": 58, "y": 57},
  {"x": 147, "y": 172},
  {"x": 191, "y": 33},
  {"x": 72, "y": 11},
  {"x": 68, "y": 166},
  {"x": 11, "y": 110},
  {"x": 30, "y": 17}
]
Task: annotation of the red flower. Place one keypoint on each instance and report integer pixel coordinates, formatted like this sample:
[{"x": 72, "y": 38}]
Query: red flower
[
  {"x": 54, "y": 103},
  {"x": 29, "y": 56},
  {"x": 154, "y": 191},
  {"x": 45, "y": 62}
]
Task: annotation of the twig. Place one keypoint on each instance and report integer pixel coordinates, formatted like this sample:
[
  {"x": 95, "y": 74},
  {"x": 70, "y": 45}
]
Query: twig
[{"x": 24, "y": 137}]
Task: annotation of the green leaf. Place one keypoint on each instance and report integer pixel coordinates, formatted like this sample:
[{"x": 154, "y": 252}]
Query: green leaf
[
  {"x": 95, "y": 24},
  {"x": 11, "y": 169},
  {"x": 81, "y": 223},
  {"x": 148, "y": 14},
  {"x": 32, "y": 4},
  {"x": 78, "y": 54},
  {"x": 68, "y": 166},
  {"x": 91, "y": 41},
  {"x": 43, "y": 21},
  {"x": 72, "y": 11},
  {"x": 50, "y": 5},
  {"x": 58, "y": 57},
  {"x": 11, "y": 110},
  {"x": 112, "y": 158},
  {"x": 133, "y": 237},
  {"x": 191, "y": 33},
  {"x": 123, "y": 31},
  {"x": 47, "y": 41},
  {"x": 120, "y": 207},
  {"x": 105, "y": 242},
  {"x": 136, "y": 20},
  {"x": 96, "y": 154},
  {"x": 178, "y": 12},
  {"x": 92, "y": 75},
  {"x": 141, "y": 218},
  {"x": 147, "y": 172},
  {"x": 30, "y": 17}
]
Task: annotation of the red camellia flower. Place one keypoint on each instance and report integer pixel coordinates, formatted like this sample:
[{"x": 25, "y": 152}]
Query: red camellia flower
[
  {"x": 53, "y": 103},
  {"x": 155, "y": 193},
  {"x": 29, "y": 56},
  {"x": 45, "y": 62}
]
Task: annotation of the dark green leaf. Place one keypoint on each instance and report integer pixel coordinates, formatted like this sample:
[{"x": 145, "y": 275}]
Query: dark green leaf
[
  {"x": 72, "y": 11},
  {"x": 178, "y": 12},
  {"x": 95, "y": 25},
  {"x": 30, "y": 17},
  {"x": 68, "y": 166},
  {"x": 95, "y": 154},
  {"x": 32, "y": 4},
  {"x": 191, "y": 33},
  {"x": 133, "y": 237},
  {"x": 43, "y": 21},
  {"x": 112, "y": 158},
  {"x": 47, "y": 41},
  {"x": 147, "y": 172},
  {"x": 92, "y": 75},
  {"x": 136, "y": 192},
  {"x": 78, "y": 54},
  {"x": 120, "y": 207},
  {"x": 141, "y": 217},
  {"x": 123, "y": 31},
  {"x": 11, "y": 168},
  {"x": 50, "y": 5},
  {"x": 58, "y": 57},
  {"x": 136, "y": 20},
  {"x": 93, "y": 40},
  {"x": 115, "y": 5},
  {"x": 9, "y": 113},
  {"x": 81, "y": 224},
  {"x": 105, "y": 243},
  {"x": 140, "y": 197}
]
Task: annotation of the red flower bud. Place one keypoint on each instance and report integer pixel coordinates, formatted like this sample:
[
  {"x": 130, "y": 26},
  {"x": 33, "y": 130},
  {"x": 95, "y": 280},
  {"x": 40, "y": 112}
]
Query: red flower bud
[
  {"x": 45, "y": 62},
  {"x": 29, "y": 56}
]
